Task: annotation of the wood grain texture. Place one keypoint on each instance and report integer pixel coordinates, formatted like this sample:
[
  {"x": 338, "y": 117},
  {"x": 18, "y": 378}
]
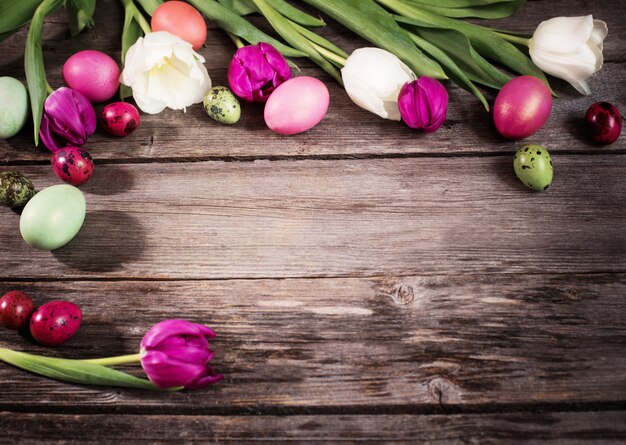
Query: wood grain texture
[
  {"x": 380, "y": 345},
  {"x": 516, "y": 428},
  {"x": 347, "y": 130},
  {"x": 334, "y": 218}
]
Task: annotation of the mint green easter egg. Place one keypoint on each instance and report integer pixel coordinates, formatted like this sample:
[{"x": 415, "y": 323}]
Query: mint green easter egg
[
  {"x": 53, "y": 217},
  {"x": 13, "y": 106}
]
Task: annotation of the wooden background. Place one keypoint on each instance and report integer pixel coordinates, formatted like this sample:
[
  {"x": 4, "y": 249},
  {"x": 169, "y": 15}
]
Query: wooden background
[{"x": 367, "y": 282}]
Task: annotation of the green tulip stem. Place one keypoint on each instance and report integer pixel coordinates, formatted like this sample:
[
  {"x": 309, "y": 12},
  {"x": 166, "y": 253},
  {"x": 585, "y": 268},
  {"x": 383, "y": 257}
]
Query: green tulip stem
[
  {"x": 514, "y": 39},
  {"x": 341, "y": 61},
  {"x": 236, "y": 40},
  {"x": 49, "y": 88},
  {"x": 116, "y": 361},
  {"x": 137, "y": 15}
]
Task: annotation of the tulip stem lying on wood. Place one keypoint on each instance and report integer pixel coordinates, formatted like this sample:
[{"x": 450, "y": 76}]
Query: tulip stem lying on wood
[
  {"x": 513, "y": 39},
  {"x": 116, "y": 361}
]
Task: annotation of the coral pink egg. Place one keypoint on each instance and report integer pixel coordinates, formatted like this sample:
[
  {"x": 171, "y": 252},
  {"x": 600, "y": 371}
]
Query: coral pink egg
[
  {"x": 15, "y": 309},
  {"x": 55, "y": 322},
  {"x": 182, "y": 20},
  {"x": 119, "y": 118},
  {"x": 92, "y": 73},
  {"x": 72, "y": 165},
  {"x": 522, "y": 107},
  {"x": 297, "y": 105}
]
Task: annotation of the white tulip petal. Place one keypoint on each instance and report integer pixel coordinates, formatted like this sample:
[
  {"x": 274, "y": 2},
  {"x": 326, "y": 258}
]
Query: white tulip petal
[
  {"x": 599, "y": 33},
  {"x": 563, "y": 34},
  {"x": 164, "y": 71},
  {"x": 373, "y": 78}
]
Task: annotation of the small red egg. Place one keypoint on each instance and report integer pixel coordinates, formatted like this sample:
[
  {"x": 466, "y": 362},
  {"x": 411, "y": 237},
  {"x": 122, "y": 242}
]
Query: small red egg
[
  {"x": 15, "y": 309},
  {"x": 72, "y": 165},
  {"x": 182, "y": 20},
  {"x": 119, "y": 118},
  {"x": 92, "y": 73},
  {"x": 522, "y": 107},
  {"x": 55, "y": 322},
  {"x": 604, "y": 122}
]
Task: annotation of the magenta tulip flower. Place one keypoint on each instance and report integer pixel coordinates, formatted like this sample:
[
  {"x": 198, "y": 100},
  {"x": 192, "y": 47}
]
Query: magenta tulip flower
[
  {"x": 177, "y": 353},
  {"x": 256, "y": 71},
  {"x": 423, "y": 104},
  {"x": 68, "y": 119}
]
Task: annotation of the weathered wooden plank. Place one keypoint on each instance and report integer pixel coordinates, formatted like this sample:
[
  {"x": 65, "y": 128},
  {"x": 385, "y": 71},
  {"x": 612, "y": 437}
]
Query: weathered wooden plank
[
  {"x": 347, "y": 130},
  {"x": 334, "y": 218},
  {"x": 388, "y": 344},
  {"x": 528, "y": 428}
]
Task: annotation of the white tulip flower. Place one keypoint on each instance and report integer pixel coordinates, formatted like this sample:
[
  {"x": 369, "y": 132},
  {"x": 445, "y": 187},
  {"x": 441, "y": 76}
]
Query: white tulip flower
[
  {"x": 164, "y": 71},
  {"x": 569, "y": 48},
  {"x": 373, "y": 78}
]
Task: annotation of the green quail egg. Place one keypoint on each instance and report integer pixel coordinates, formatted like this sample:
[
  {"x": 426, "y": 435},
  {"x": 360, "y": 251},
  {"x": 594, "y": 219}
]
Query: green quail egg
[
  {"x": 222, "y": 105},
  {"x": 533, "y": 166},
  {"x": 15, "y": 189}
]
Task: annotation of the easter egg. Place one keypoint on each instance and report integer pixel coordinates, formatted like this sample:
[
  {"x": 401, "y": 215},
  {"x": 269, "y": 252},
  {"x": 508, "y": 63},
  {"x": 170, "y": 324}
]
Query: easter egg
[
  {"x": 182, "y": 20},
  {"x": 522, "y": 107},
  {"x": 15, "y": 189},
  {"x": 15, "y": 309},
  {"x": 13, "y": 106},
  {"x": 55, "y": 322},
  {"x": 92, "y": 73},
  {"x": 119, "y": 118},
  {"x": 604, "y": 122},
  {"x": 72, "y": 165},
  {"x": 533, "y": 166},
  {"x": 53, "y": 217},
  {"x": 222, "y": 105},
  {"x": 297, "y": 105}
]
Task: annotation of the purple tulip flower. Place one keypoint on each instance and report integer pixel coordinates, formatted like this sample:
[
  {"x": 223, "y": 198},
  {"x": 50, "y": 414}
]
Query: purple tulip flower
[
  {"x": 423, "y": 104},
  {"x": 256, "y": 71},
  {"x": 177, "y": 353},
  {"x": 68, "y": 119}
]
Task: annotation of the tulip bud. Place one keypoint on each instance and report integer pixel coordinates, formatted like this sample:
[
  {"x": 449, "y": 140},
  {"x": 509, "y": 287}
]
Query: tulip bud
[
  {"x": 423, "y": 104},
  {"x": 256, "y": 71},
  {"x": 177, "y": 353},
  {"x": 68, "y": 119}
]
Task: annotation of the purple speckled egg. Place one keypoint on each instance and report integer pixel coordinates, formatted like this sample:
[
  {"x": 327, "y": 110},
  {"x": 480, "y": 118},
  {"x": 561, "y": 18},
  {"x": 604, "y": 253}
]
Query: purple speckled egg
[
  {"x": 55, "y": 322},
  {"x": 119, "y": 118},
  {"x": 72, "y": 165},
  {"x": 15, "y": 309},
  {"x": 93, "y": 74}
]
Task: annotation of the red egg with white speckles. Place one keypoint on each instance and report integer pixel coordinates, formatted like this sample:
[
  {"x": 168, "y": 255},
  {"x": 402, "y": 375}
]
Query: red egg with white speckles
[
  {"x": 73, "y": 165},
  {"x": 15, "y": 309},
  {"x": 55, "y": 322},
  {"x": 119, "y": 118}
]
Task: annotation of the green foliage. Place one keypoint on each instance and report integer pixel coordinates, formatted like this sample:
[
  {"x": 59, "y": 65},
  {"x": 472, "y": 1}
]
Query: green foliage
[{"x": 80, "y": 14}]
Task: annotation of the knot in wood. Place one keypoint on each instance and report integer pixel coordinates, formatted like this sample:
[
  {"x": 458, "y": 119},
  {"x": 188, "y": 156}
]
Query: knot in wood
[
  {"x": 404, "y": 294},
  {"x": 444, "y": 391}
]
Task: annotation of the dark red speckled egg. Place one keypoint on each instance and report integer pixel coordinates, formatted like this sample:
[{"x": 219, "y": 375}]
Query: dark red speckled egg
[
  {"x": 119, "y": 118},
  {"x": 55, "y": 322},
  {"x": 73, "y": 165},
  {"x": 604, "y": 122},
  {"x": 15, "y": 309}
]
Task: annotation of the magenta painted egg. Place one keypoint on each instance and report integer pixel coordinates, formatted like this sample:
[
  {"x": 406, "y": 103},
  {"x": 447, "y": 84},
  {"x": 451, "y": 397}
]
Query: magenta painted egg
[
  {"x": 604, "y": 122},
  {"x": 15, "y": 309},
  {"x": 55, "y": 322},
  {"x": 119, "y": 118},
  {"x": 72, "y": 165},
  {"x": 522, "y": 107},
  {"x": 297, "y": 105},
  {"x": 92, "y": 73}
]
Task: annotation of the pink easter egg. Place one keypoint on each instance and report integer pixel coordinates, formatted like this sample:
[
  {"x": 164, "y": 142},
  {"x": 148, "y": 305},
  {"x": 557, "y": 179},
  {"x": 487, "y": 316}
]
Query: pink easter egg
[
  {"x": 297, "y": 105},
  {"x": 92, "y": 73}
]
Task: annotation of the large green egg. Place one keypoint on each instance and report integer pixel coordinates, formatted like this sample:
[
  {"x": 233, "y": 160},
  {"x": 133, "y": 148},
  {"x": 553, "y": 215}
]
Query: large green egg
[
  {"x": 53, "y": 217},
  {"x": 533, "y": 166},
  {"x": 13, "y": 106}
]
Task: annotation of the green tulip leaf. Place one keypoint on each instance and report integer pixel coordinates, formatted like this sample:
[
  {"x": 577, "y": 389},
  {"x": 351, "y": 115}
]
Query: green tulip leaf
[
  {"x": 150, "y": 5},
  {"x": 15, "y": 14},
  {"x": 373, "y": 23},
  {"x": 461, "y": 3},
  {"x": 80, "y": 14},
  {"x": 241, "y": 7},
  {"x": 497, "y": 10},
  {"x": 452, "y": 69},
  {"x": 231, "y": 22},
  {"x": 74, "y": 371}
]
